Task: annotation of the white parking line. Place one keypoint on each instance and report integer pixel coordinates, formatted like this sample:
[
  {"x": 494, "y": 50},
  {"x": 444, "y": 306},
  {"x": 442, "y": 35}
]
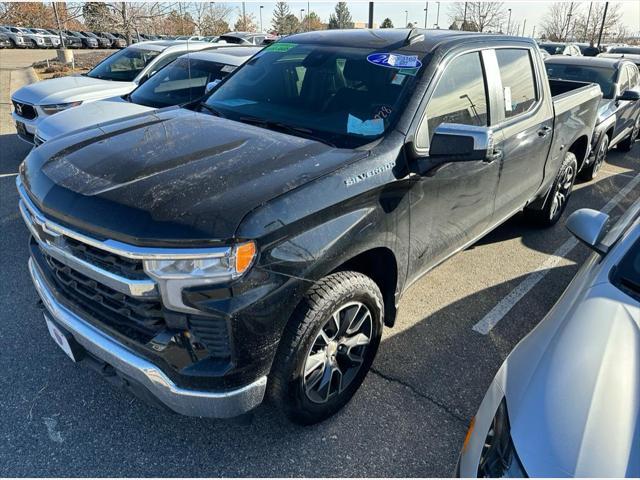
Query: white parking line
[
  {"x": 498, "y": 312},
  {"x": 3, "y": 175}
]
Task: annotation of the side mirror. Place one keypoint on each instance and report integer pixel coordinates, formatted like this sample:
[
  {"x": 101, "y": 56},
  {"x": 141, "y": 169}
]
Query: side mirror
[
  {"x": 454, "y": 142},
  {"x": 629, "y": 96},
  {"x": 589, "y": 226}
]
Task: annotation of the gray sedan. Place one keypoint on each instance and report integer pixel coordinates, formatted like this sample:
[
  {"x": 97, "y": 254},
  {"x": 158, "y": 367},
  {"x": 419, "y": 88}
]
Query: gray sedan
[{"x": 566, "y": 401}]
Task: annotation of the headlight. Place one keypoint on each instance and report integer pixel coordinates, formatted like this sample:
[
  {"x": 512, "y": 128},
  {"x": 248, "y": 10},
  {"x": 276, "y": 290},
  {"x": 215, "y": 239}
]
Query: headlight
[
  {"x": 175, "y": 274},
  {"x": 58, "y": 107},
  {"x": 499, "y": 457}
]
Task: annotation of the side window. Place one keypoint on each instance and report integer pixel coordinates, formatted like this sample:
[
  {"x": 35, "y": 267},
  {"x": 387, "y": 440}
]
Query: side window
[
  {"x": 460, "y": 97},
  {"x": 623, "y": 80},
  {"x": 518, "y": 81},
  {"x": 164, "y": 61},
  {"x": 634, "y": 77}
]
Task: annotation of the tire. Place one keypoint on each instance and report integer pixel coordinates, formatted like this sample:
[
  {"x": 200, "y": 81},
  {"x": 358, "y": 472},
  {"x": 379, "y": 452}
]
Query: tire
[
  {"x": 313, "y": 342},
  {"x": 558, "y": 196},
  {"x": 627, "y": 144},
  {"x": 591, "y": 171},
  {"x": 13, "y": 43}
]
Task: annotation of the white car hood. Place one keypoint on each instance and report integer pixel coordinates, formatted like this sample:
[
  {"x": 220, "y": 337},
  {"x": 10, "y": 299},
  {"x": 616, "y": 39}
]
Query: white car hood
[
  {"x": 87, "y": 115},
  {"x": 71, "y": 89},
  {"x": 573, "y": 390}
]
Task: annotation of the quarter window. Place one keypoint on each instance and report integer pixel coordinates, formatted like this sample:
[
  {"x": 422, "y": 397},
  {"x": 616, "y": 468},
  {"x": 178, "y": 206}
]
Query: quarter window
[
  {"x": 623, "y": 80},
  {"x": 518, "y": 81},
  {"x": 460, "y": 97}
]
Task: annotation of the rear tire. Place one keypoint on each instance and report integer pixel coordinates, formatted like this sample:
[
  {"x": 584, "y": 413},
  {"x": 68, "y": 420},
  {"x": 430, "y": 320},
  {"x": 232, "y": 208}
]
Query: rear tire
[
  {"x": 327, "y": 347},
  {"x": 627, "y": 144},
  {"x": 558, "y": 196},
  {"x": 591, "y": 171}
]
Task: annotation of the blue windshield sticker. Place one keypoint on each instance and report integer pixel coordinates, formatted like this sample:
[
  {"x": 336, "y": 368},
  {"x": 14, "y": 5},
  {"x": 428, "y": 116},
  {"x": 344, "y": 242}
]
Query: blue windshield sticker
[
  {"x": 394, "y": 60},
  {"x": 367, "y": 128}
]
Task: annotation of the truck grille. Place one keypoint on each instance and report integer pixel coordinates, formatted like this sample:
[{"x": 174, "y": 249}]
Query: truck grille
[
  {"x": 138, "y": 319},
  {"x": 25, "y": 110},
  {"x": 125, "y": 267}
]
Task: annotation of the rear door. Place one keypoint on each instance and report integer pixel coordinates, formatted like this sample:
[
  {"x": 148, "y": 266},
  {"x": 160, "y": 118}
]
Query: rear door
[{"x": 524, "y": 130}]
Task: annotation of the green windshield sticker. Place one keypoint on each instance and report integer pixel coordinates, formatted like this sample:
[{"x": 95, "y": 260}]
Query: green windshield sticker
[
  {"x": 408, "y": 71},
  {"x": 281, "y": 47}
]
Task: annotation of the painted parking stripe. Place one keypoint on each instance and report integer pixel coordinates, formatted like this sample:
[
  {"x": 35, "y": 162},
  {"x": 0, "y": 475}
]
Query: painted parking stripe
[
  {"x": 498, "y": 312},
  {"x": 3, "y": 175}
]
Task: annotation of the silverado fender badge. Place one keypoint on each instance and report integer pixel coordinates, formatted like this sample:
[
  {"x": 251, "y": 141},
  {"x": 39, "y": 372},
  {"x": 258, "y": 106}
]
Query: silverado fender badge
[{"x": 360, "y": 177}]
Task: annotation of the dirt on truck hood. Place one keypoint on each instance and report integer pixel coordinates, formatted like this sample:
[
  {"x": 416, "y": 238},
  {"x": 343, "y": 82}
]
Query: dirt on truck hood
[{"x": 173, "y": 175}]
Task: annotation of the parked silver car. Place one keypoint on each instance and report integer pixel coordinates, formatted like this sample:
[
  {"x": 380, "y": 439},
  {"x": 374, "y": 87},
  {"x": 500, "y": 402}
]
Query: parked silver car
[
  {"x": 17, "y": 37},
  {"x": 566, "y": 401}
]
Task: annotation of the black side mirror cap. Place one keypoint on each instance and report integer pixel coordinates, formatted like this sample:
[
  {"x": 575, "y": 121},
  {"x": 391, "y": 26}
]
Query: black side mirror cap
[{"x": 629, "y": 96}]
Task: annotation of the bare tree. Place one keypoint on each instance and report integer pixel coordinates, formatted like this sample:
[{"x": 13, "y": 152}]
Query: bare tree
[
  {"x": 557, "y": 24},
  {"x": 480, "y": 16},
  {"x": 588, "y": 32},
  {"x": 209, "y": 17},
  {"x": 132, "y": 17}
]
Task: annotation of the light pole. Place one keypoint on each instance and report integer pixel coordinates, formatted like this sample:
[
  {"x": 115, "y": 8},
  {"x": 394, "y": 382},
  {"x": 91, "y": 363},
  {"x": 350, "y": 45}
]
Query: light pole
[
  {"x": 426, "y": 12},
  {"x": 438, "y": 16},
  {"x": 523, "y": 27},
  {"x": 509, "y": 23},
  {"x": 464, "y": 17},
  {"x": 261, "y": 7},
  {"x": 533, "y": 33},
  {"x": 406, "y": 18},
  {"x": 604, "y": 17},
  {"x": 586, "y": 27},
  {"x": 301, "y": 12}
]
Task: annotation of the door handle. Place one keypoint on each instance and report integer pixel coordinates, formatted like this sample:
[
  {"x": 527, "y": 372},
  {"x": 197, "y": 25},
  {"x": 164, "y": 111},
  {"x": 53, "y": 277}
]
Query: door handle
[
  {"x": 493, "y": 156},
  {"x": 544, "y": 131}
]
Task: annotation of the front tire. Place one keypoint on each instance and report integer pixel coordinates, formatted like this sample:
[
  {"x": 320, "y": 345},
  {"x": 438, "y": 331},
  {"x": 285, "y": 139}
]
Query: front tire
[
  {"x": 558, "y": 196},
  {"x": 327, "y": 347}
]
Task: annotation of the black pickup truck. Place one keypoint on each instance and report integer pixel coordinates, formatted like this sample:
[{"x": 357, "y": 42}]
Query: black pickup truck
[{"x": 255, "y": 244}]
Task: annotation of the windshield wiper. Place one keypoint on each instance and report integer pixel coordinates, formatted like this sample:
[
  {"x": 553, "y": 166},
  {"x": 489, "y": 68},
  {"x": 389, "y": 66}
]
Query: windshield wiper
[
  {"x": 283, "y": 127},
  {"x": 210, "y": 109}
]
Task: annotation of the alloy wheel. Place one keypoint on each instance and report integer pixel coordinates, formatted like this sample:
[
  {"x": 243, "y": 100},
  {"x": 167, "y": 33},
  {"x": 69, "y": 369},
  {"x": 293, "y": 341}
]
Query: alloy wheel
[
  {"x": 563, "y": 191},
  {"x": 338, "y": 352}
]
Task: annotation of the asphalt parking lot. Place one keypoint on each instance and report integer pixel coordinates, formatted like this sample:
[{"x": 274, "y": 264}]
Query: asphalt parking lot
[{"x": 408, "y": 419}]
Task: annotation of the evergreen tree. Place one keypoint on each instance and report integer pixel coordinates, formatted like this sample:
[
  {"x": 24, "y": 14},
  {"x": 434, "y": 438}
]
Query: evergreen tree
[
  {"x": 341, "y": 18},
  {"x": 279, "y": 20},
  {"x": 387, "y": 23},
  {"x": 97, "y": 16}
]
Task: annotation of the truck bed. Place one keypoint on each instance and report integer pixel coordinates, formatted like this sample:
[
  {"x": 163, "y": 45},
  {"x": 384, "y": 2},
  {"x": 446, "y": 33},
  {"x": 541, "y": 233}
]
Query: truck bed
[{"x": 568, "y": 94}]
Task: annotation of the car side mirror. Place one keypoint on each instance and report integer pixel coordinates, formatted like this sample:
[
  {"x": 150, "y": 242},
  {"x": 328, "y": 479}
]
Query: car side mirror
[
  {"x": 629, "y": 96},
  {"x": 589, "y": 226},
  {"x": 453, "y": 142},
  {"x": 210, "y": 86}
]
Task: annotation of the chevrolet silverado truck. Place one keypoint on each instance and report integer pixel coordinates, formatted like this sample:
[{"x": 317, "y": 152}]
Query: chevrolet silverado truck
[{"x": 254, "y": 244}]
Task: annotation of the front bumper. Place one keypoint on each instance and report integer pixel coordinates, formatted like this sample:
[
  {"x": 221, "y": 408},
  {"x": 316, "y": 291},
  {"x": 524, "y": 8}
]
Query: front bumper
[
  {"x": 199, "y": 403},
  {"x": 30, "y": 126}
]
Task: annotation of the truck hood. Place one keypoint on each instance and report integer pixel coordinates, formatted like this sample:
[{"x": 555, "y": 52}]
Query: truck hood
[
  {"x": 71, "y": 89},
  {"x": 573, "y": 390},
  {"x": 172, "y": 176},
  {"x": 89, "y": 114}
]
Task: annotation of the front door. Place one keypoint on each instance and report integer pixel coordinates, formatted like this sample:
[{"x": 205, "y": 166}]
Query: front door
[{"x": 452, "y": 203}]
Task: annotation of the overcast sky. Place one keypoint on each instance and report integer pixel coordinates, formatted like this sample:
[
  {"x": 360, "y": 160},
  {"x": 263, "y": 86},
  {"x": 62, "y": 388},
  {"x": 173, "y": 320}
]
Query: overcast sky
[{"x": 532, "y": 11}]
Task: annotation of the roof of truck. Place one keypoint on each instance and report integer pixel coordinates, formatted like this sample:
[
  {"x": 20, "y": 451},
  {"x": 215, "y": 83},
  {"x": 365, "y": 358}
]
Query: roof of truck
[{"x": 395, "y": 38}]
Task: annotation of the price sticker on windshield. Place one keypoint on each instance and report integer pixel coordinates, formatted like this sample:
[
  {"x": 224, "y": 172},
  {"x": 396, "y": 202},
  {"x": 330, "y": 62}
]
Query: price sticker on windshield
[{"x": 394, "y": 60}]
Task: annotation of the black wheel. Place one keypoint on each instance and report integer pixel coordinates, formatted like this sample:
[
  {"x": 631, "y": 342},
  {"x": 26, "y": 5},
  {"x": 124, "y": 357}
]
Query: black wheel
[
  {"x": 591, "y": 171},
  {"x": 558, "y": 196},
  {"x": 327, "y": 347},
  {"x": 627, "y": 144},
  {"x": 13, "y": 43}
]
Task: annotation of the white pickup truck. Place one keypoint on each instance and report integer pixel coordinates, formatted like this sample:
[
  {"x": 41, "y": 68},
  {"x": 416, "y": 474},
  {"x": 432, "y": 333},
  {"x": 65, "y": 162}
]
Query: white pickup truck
[{"x": 118, "y": 74}]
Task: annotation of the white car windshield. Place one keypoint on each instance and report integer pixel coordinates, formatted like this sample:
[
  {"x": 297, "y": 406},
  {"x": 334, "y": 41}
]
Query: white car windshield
[{"x": 123, "y": 66}]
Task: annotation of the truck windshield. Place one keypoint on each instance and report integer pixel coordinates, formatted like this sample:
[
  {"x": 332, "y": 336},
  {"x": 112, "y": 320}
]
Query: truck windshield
[
  {"x": 179, "y": 82},
  {"x": 605, "y": 77},
  {"x": 344, "y": 96},
  {"x": 123, "y": 66}
]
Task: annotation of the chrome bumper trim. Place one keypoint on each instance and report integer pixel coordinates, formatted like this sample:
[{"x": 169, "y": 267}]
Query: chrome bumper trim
[{"x": 195, "y": 403}]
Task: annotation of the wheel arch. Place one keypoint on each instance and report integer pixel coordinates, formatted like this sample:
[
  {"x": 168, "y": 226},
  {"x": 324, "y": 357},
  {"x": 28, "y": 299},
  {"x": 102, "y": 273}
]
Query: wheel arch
[
  {"x": 580, "y": 148},
  {"x": 381, "y": 266}
]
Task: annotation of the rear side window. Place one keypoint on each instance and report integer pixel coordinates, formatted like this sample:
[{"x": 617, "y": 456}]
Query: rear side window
[
  {"x": 518, "y": 81},
  {"x": 460, "y": 97},
  {"x": 623, "y": 80}
]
